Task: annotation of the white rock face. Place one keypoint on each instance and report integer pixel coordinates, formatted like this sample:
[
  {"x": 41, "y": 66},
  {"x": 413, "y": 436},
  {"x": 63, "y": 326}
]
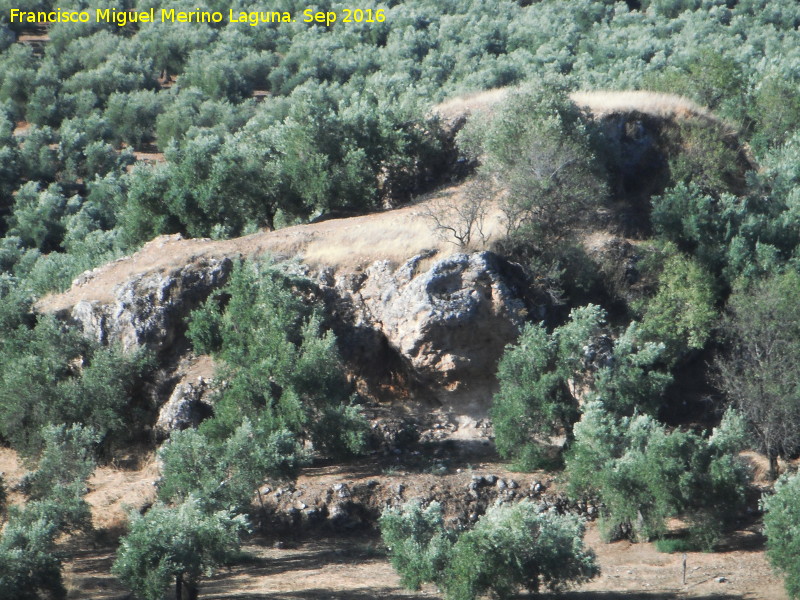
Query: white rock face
[
  {"x": 449, "y": 324},
  {"x": 444, "y": 326},
  {"x": 185, "y": 408},
  {"x": 149, "y": 309}
]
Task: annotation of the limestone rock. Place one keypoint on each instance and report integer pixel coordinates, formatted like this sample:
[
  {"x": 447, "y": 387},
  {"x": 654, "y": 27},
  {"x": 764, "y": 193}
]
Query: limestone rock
[
  {"x": 185, "y": 408},
  {"x": 448, "y": 325},
  {"x": 442, "y": 324},
  {"x": 149, "y": 309}
]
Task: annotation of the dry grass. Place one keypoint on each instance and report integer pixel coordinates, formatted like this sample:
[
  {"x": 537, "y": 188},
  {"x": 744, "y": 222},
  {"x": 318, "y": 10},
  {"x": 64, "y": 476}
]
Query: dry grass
[
  {"x": 667, "y": 106},
  {"x": 347, "y": 245},
  {"x": 463, "y": 106},
  {"x": 598, "y": 103},
  {"x": 113, "y": 492}
]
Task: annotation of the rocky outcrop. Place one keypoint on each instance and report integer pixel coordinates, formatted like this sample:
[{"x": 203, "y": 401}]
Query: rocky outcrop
[
  {"x": 442, "y": 324},
  {"x": 186, "y": 407},
  {"x": 149, "y": 309},
  {"x": 447, "y": 326},
  {"x": 353, "y": 505}
]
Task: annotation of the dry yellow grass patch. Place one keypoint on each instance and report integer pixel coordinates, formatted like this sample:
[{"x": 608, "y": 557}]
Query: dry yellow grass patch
[
  {"x": 656, "y": 104},
  {"x": 344, "y": 244},
  {"x": 462, "y": 106},
  {"x": 598, "y": 103}
]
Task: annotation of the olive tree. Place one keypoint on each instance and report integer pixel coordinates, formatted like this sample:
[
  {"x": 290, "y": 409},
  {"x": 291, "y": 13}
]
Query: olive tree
[
  {"x": 543, "y": 375},
  {"x": 538, "y": 148},
  {"x": 511, "y": 546},
  {"x": 760, "y": 372},
  {"x": 29, "y": 563},
  {"x": 781, "y": 515},
  {"x": 644, "y": 474},
  {"x": 176, "y": 545}
]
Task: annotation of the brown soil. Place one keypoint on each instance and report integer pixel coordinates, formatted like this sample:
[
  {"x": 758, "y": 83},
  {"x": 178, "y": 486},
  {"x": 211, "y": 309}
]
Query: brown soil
[
  {"x": 356, "y": 568},
  {"x": 322, "y": 565}
]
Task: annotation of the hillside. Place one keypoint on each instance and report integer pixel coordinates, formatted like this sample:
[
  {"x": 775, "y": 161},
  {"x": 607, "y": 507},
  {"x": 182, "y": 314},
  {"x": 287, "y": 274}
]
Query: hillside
[{"x": 456, "y": 300}]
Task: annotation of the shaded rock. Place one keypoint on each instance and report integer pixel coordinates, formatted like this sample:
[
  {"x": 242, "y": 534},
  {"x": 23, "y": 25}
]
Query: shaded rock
[
  {"x": 185, "y": 408},
  {"x": 149, "y": 309}
]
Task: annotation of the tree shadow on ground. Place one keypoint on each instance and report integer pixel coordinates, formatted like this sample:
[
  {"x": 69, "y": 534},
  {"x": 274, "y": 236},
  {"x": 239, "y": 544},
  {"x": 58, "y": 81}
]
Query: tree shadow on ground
[
  {"x": 631, "y": 595},
  {"x": 379, "y": 593}
]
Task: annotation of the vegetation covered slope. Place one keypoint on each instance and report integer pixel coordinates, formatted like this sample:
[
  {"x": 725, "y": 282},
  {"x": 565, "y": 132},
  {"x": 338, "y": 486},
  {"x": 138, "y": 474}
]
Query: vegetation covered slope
[{"x": 266, "y": 126}]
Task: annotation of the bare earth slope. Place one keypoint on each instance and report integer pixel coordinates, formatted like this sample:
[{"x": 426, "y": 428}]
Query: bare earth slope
[{"x": 327, "y": 566}]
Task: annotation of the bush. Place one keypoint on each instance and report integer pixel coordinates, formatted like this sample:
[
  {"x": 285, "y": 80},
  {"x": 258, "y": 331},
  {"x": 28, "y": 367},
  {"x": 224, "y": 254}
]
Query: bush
[
  {"x": 175, "y": 544},
  {"x": 682, "y": 314},
  {"x": 419, "y": 546},
  {"x": 547, "y": 164},
  {"x": 541, "y": 375},
  {"x": 224, "y": 475},
  {"x": 511, "y": 546},
  {"x": 673, "y": 545},
  {"x": 57, "y": 376},
  {"x": 29, "y": 563},
  {"x": 283, "y": 371},
  {"x": 645, "y": 474},
  {"x": 781, "y": 515}
]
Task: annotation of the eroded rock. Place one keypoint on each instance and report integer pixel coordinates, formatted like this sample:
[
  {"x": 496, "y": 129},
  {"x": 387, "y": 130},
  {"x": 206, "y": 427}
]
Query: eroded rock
[
  {"x": 448, "y": 325},
  {"x": 185, "y": 408},
  {"x": 149, "y": 309}
]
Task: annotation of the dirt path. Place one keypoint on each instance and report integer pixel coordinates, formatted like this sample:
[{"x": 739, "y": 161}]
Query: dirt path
[{"x": 357, "y": 569}]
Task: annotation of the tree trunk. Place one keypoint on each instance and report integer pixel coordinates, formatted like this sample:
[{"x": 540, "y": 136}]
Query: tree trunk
[
  {"x": 773, "y": 465},
  {"x": 192, "y": 590},
  {"x": 179, "y": 586},
  {"x": 533, "y": 580}
]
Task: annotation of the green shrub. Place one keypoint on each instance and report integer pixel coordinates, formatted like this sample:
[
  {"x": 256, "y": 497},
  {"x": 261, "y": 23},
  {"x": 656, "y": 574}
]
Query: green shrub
[
  {"x": 546, "y": 162},
  {"x": 176, "y": 545},
  {"x": 674, "y": 544},
  {"x": 682, "y": 313},
  {"x": 781, "y": 515},
  {"x": 539, "y": 376},
  {"x": 645, "y": 474},
  {"x": 225, "y": 475},
  {"x": 30, "y": 566},
  {"x": 283, "y": 371},
  {"x": 419, "y": 546},
  {"x": 511, "y": 546},
  {"x": 58, "y": 376},
  {"x": 759, "y": 372}
]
